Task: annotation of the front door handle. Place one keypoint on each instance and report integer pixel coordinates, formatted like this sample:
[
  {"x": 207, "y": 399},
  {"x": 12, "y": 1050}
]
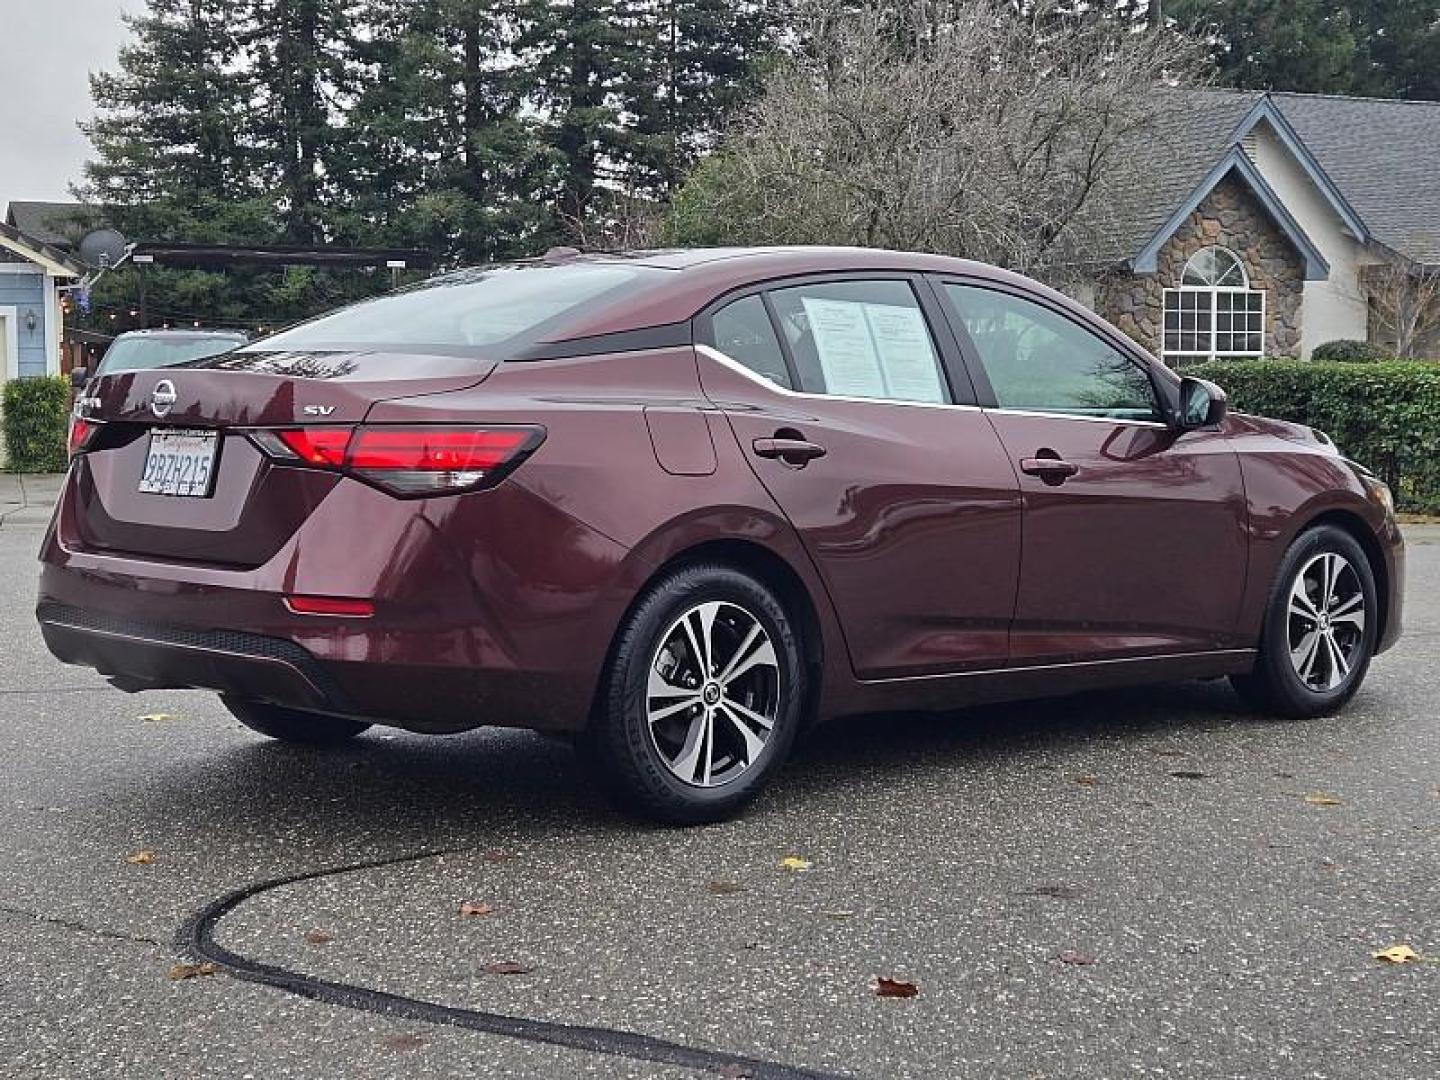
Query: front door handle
[
  {"x": 796, "y": 453},
  {"x": 1052, "y": 470}
]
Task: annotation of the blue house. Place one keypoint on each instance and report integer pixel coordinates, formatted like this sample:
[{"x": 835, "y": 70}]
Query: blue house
[{"x": 30, "y": 322}]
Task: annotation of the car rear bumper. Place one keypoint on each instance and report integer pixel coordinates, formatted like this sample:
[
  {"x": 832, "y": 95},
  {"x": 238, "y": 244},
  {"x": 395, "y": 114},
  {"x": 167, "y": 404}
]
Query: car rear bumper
[{"x": 460, "y": 638}]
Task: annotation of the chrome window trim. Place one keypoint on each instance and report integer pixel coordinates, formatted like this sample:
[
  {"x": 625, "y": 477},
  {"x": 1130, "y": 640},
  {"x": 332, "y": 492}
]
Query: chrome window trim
[
  {"x": 775, "y": 388},
  {"x": 1073, "y": 416}
]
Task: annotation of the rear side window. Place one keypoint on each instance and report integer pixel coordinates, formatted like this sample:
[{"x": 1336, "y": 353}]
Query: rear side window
[
  {"x": 494, "y": 306},
  {"x": 865, "y": 339},
  {"x": 743, "y": 332}
]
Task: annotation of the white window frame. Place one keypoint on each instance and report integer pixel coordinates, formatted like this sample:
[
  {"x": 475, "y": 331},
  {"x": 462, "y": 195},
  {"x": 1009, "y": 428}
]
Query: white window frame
[{"x": 1213, "y": 292}]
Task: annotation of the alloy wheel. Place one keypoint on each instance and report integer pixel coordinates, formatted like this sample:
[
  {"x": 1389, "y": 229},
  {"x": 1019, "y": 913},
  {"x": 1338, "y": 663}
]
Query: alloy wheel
[
  {"x": 1326, "y": 621},
  {"x": 713, "y": 694}
]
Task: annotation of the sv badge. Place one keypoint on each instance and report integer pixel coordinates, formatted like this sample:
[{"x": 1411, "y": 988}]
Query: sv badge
[{"x": 318, "y": 410}]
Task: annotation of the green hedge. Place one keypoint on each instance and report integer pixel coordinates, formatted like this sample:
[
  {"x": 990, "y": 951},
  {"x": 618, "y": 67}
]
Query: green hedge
[
  {"x": 1349, "y": 351},
  {"x": 35, "y": 415},
  {"x": 1385, "y": 415}
]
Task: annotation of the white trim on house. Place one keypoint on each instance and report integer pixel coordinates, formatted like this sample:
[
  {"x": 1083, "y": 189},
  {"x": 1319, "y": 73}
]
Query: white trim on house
[
  {"x": 53, "y": 326},
  {"x": 11, "y": 315},
  {"x": 40, "y": 259}
]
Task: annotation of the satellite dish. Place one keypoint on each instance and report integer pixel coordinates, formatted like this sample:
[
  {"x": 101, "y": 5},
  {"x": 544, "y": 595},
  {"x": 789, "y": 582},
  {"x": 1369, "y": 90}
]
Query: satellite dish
[{"x": 101, "y": 248}]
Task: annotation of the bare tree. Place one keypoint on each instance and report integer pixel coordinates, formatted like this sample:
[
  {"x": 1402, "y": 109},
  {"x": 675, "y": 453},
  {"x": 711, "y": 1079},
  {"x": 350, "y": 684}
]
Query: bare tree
[
  {"x": 972, "y": 127},
  {"x": 1404, "y": 299}
]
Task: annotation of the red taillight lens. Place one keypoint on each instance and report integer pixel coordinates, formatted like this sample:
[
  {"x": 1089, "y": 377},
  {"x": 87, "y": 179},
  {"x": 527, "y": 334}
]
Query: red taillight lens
[
  {"x": 409, "y": 460},
  {"x": 80, "y": 432},
  {"x": 436, "y": 449},
  {"x": 317, "y": 446}
]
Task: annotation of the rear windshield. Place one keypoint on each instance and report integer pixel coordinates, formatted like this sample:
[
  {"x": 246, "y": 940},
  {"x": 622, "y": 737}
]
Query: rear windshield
[
  {"x": 132, "y": 354},
  {"x": 494, "y": 306}
]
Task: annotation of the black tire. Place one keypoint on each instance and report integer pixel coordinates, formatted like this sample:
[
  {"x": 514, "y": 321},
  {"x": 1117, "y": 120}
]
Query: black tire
[
  {"x": 292, "y": 725},
  {"x": 618, "y": 747},
  {"x": 1275, "y": 685}
]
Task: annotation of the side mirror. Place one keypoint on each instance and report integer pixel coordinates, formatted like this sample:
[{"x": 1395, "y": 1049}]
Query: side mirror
[
  {"x": 79, "y": 377},
  {"x": 1202, "y": 404}
]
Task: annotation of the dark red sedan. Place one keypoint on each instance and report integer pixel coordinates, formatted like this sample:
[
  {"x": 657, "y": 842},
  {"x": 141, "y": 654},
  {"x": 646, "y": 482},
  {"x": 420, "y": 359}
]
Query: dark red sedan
[{"x": 682, "y": 505}]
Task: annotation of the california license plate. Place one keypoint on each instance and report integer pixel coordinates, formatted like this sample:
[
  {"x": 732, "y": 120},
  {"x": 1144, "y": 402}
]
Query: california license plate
[{"x": 180, "y": 463}]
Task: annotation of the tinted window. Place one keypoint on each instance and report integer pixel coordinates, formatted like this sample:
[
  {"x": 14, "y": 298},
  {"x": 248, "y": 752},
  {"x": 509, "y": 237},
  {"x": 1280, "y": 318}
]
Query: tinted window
[
  {"x": 1037, "y": 359},
  {"x": 864, "y": 339},
  {"x": 743, "y": 332},
  {"x": 132, "y": 354},
  {"x": 468, "y": 308}
]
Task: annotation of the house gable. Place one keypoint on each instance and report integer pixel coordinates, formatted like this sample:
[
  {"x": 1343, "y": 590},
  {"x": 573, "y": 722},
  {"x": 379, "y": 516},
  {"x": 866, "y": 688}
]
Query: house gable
[{"x": 1236, "y": 165}]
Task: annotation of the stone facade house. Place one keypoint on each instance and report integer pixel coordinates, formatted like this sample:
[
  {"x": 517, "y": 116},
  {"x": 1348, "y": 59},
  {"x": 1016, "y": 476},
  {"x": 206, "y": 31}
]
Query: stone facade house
[{"x": 1267, "y": 224}]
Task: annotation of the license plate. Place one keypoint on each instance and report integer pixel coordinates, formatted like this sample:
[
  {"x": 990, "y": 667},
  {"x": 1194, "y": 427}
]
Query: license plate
[{"x": 180, "y": 463}]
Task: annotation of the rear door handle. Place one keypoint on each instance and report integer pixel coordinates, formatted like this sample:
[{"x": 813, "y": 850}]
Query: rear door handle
[
  {"x": 1052, "y": 470},
  {"x": 793, "y": 452}
]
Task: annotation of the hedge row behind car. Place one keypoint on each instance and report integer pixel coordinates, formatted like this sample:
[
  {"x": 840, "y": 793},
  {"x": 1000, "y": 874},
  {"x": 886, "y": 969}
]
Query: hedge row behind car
[
  {"x": 36, "y": 411},
  {"x": 1385, "y": 415}
]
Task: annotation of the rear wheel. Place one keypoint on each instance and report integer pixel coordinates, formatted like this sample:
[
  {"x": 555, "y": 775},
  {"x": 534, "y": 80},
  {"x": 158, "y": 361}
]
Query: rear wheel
[
  {"x": 1320, "y": 627},
  {"x": 701, "y": 699},
  {"x": 292, "y": 725}
]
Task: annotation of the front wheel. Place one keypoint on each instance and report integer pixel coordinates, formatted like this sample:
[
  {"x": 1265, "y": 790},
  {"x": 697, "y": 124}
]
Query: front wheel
[
  {"x": 292, "y": 725},
  {"x": 1320, "y": 627},
  {"x": 701, "y": 698}
]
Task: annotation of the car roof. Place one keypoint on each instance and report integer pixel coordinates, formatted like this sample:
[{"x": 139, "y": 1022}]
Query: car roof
[{"x": 704, "y": 274}]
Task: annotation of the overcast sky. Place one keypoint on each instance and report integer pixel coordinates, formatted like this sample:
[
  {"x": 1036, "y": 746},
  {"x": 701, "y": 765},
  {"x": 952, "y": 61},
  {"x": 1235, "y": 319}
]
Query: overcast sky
[{"x": 47, "y": 50}]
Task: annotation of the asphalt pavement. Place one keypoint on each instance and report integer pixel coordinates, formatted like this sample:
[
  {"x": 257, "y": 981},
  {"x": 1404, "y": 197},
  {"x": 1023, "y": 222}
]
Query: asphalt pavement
[{"x": 1151, "y": 883}]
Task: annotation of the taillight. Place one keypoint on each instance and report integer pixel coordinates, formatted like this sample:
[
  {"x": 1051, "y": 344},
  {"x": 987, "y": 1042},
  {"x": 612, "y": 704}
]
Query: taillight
[
  {"x": 81, "y": 432},
  {"x": 409, "y": 460}
]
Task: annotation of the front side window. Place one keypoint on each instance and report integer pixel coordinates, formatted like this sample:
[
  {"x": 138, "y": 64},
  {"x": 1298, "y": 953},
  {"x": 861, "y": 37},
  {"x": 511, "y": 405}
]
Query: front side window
[
  {"x": 1040, "y": 361},
  {"x": 1214, "y": 312},
  {"x": 863, "y": 339}
]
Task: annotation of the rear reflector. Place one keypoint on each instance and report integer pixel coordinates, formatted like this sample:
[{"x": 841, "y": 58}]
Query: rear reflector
[
  {"x": 411, "y": 459},
  {"x": 330, "y": 605}
]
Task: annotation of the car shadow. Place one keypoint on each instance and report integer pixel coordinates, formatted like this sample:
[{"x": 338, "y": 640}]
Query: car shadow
[{"x": 393, "y": 790}]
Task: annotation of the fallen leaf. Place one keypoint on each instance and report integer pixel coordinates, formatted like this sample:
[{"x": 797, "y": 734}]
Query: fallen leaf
[
  {"x": 1166, "y": 751},
  {"x": 319, "y": 937},
  {"x": 1188, "y": 774},
  {"x": 141, "y": 858},
  {"x": 1320, "y": 798},
  {"x": 1058, "y": 892},
  {"x": 404, "y": 1042},
  {"x": 724, "y": 888},
  {"x": 1397, "y": 954},
  {"x": 469, "y": 908},
  {"x": 794, "y": 862},
  {"x": 1074, "y": 956},
  {"x": 1086, "y": 780},
  {"x": 157, "y": 717},
  {"x": 838, "y": 914},
  {"x": 497, "y": 856},
  {"x": 191, "y": 971},
  {"x": 734, "y": 1072},
  {"x": 894, "y": 988},
  {"x": 507, "y": 967}
]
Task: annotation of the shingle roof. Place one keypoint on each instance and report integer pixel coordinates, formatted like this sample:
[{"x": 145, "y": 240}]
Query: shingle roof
[
  {"x": 1159, "y": 169},
  {"x": 1383, "y": 157},
  {"x": 58, "y": 224}
]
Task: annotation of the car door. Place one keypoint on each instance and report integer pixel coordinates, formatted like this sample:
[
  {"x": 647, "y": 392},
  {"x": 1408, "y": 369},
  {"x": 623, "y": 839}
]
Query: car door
[
  {"x": 1135, "y": 532},
  {"x": 839, "y": 394}
]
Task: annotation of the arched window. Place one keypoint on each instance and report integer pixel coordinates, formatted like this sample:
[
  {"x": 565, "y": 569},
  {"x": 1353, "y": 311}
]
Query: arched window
[{"x": 1214, "y": 312}]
